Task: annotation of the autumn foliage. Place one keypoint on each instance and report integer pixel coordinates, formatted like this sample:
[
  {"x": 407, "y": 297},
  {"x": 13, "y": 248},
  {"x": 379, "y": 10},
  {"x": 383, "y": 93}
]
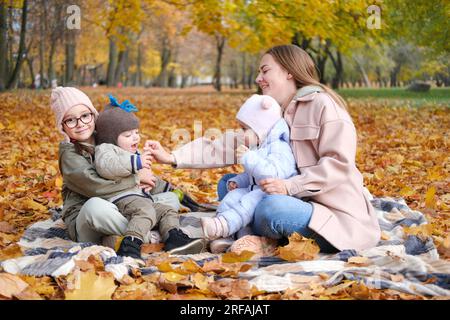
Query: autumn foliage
[{"x": 402, "y": 152}]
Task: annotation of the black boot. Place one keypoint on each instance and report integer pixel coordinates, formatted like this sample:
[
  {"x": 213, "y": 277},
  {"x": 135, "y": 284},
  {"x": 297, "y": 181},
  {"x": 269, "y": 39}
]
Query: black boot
[
  {"x": 194, "y": 206},
  {"x": 130, "y": 247},
  {"x": 179, "y": 243}
]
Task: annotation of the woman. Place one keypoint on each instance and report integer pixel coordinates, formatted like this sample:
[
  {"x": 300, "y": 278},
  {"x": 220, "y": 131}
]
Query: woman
[{"x": 326, "y": 200}]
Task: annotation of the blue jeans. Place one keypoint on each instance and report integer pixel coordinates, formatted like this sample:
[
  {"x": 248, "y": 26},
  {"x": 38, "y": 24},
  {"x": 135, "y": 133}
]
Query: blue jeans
[{"x": 278, "y": 216}]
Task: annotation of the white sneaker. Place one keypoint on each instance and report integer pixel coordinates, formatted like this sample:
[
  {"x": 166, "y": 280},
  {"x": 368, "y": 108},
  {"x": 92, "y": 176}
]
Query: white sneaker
[{"x": 220, "y": 245}]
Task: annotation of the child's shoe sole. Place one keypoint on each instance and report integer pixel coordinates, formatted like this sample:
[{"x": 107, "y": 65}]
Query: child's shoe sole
[{"x": 193, "y": 247}]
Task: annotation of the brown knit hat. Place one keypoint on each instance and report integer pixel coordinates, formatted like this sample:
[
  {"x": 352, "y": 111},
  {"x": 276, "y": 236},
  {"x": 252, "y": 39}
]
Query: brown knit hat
[{"x": 112, "y": 121}]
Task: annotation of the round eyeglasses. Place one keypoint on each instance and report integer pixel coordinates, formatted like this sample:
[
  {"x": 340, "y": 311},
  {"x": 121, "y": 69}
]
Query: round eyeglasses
[{"x": 84, "y": 118}]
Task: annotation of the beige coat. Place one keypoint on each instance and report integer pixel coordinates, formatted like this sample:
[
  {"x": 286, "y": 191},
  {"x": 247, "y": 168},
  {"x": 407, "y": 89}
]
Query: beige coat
[{"x": 323, "y": 139}]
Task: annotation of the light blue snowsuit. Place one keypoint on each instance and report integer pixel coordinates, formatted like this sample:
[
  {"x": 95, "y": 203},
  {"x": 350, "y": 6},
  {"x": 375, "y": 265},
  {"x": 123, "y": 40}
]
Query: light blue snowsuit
[{"x": 273, "y": 159}]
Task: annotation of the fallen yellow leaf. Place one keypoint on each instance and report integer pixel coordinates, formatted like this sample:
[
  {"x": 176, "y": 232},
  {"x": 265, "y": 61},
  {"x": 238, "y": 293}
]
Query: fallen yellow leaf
[
  {"x": 232, "y": 257},
  {"x": 430, "y": 200},
  {"x": 173, "y": 276},
  {"x": 91, "y": 286}
]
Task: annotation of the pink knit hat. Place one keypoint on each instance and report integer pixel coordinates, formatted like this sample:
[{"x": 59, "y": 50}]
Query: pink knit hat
[
  {"x": 63, "y": 99},
  {"x": 260, "y": 113}
]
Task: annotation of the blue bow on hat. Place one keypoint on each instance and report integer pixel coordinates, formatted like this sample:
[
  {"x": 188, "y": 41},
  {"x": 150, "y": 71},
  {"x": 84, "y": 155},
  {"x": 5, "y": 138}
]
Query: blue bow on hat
[{"x": 126, "y": 105}]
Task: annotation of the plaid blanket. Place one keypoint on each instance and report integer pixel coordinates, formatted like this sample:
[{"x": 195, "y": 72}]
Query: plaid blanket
[{"x": 406, "y": 263}]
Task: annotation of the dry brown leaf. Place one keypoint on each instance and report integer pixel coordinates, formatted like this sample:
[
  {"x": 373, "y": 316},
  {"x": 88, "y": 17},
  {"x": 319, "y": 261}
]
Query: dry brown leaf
[
  {"x": 338, "y": 288},
  {"x": 299, "y": 248},
  {"x": 10, "y": 252},
  {"x": 359, "y": 261},
  {"x": 397, "y": 277},
  {"x": 11, "y": 285},
  {"x": 28, "y": 294},
  {"x": 6, "y": 227},
  {"x": 149, "y": 248},
  {"x": 425, "y": 230},
  {"x": 84, "y": 265},
  {"x": 232, "y": 257},
  {"x": 191, "y": 266},
  {"x": 200, "y": 281},
  {"x": 384, "y": 236},
  {"x": 96, "y": 262}
]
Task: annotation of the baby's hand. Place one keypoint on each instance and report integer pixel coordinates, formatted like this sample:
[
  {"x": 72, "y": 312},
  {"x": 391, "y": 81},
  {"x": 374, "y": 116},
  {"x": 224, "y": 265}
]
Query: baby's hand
[
  {"x": 232, "y": 185},
  {"x": 146, "y": 159},
  {"x": 146, "y": 176},
  {"x": 147, "y": 187},
  {"x": 240, "y": 151}
]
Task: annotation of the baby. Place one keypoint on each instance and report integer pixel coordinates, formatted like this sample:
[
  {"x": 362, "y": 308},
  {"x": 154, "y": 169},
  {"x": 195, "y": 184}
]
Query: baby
[
  {"x": 117, "y": 156},
  {"x": 260, "y": 118}
]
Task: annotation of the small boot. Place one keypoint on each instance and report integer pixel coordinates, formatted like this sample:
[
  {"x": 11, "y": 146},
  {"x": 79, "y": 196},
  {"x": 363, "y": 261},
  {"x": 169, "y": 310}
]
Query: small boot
[
  {"x": 187, "y": 201},
  {"x": 214, "y": 228},
  {"x": 179, "y": 243},
  {"x": 130, "y": 247}
]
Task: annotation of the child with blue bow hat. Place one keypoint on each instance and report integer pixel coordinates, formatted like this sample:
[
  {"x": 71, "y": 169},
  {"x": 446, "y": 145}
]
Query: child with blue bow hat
[{"x": 117, "y": 156}]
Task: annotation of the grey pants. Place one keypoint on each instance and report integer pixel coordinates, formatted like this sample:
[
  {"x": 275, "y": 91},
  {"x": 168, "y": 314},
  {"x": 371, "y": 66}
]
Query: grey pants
[
  {"x": 99, "y": 218},
  {"x": 143, "y": 215}
]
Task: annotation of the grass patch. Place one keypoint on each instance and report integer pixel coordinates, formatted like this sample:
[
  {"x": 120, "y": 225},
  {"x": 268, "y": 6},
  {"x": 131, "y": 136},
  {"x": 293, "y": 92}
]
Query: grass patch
[{"x": 439, "y": 96}]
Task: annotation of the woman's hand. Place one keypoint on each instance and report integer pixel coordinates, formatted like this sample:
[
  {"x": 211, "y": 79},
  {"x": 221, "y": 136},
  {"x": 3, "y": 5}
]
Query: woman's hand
[
  {"x": 273, "y": 186},
  {"x": 158, "y": 152}
]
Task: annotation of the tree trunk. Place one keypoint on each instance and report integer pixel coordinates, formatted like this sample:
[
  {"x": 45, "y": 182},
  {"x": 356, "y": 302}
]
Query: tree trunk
[
  {"x": 21, "y": 53},
  {"x": 166, "y": 55},
  {"x": 300, "y": 41},
  {"x": 126, "y": 67},
  {"x": 338, "y": 67},
  {"x": 139, "y": 66},
  {"x": 3, "y": 44},
  {"x": 120, "y": 67},
  {"x": 244, "y": 69},
  {"x": 172, "y": 79},
  {"x": 394, "y": 75},
  {"x": 30, "y": 68},
  {"x": 250, "y": 78},
  {"x": 184, "y": 80},
  {"x": 321, "y": 62},
  {"x": 51, "y": 67},
  {"x": 42, "y": 22},
  {"x": 220, "y": 43},
  {"x": 70, "y": 58},
  {"x": 112, "y": 63},
  {"x": 363, "y": 72},
  {"x": 54, "y": 37}
]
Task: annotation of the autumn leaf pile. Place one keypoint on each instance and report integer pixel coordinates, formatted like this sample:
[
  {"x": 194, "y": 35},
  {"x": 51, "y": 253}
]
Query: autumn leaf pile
[{"x": 402, "y": 152}]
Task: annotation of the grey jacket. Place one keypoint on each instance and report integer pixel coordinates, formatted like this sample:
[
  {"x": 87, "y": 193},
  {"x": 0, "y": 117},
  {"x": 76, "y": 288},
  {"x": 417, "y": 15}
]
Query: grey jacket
[
  {"x": 81, "y": 182},
  {"x": 115, "y": 163}
]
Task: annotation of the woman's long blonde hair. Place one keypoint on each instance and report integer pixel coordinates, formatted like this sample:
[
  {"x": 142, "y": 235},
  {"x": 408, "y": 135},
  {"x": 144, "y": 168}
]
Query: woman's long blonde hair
[{"x": 300, "y": 65}]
